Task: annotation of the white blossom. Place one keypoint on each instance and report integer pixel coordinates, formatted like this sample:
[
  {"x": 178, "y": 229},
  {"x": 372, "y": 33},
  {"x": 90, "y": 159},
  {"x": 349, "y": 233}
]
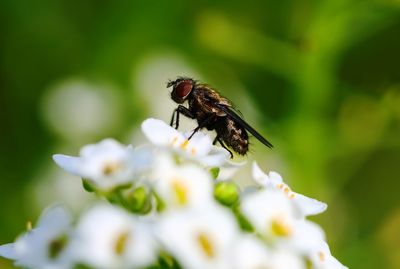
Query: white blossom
[
  {"x": 45, "y": 247},
  {"x": 305, "y": 206},
  {"x": 200, "y": 238},
  {"x": 181, "y": 185},
  {"x": 270, "y": 212},
  {"x": 107, "y": 164},
  {"x": 198, "y": 148},
  {"x": 110, "y": 238}
]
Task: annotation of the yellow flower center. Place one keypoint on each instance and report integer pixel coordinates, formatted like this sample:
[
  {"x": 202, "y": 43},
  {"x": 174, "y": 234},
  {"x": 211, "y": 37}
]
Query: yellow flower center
[
  {"x": 280, "y": 227},
  {"x": 57, "y": 245},
  {"x": 180, "y": 191},
  {"x": 120, "y": 243},
  {"x": 206, "y": 245},
  {"x": 111, "y": 167},
  {"x": 185, "y": 144}
]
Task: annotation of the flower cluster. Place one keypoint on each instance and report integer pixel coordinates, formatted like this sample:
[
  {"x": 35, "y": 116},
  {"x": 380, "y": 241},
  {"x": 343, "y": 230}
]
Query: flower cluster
[{"x": 163, "y": 205}]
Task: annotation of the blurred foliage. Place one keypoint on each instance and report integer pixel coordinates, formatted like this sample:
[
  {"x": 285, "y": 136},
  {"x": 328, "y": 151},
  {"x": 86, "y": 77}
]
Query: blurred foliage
[{"x": 321, "y": 78}]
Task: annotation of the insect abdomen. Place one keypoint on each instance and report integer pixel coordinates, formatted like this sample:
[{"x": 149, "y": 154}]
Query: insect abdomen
[{"x": 235, "y": 137}]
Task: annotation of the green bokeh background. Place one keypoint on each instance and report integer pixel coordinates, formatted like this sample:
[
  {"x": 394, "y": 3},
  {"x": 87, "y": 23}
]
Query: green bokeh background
[{"x": 321, "y": 79}]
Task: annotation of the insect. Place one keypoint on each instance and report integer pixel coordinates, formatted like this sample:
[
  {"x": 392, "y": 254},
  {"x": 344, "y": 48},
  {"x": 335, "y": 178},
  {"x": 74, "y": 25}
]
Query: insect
[{"x": 214, "y": 112}]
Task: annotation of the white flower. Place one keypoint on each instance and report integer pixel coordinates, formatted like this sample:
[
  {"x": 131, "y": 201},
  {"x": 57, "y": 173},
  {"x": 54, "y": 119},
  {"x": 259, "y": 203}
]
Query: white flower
[
  {"x": 181, "y": 185},
  {"x": 305, "y": 206},
  {"x": 270, "y": 212},
  {"x": 273, "y": 216},
  {"x": 107, "y": 164},
  {"x": 45, "y": 247},
  {"x": 251, "y": 253},
  {"x": 198, "y": 148},
  {"x": 199, "y": 239},
  {"x": 110, "y": 238}
]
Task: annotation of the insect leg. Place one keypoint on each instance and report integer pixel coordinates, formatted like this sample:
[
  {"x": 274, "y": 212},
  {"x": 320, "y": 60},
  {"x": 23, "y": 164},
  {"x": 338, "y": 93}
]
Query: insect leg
[
  {"x": 172, "y": 118},
  {"x": 215, "y": 140},
  {"x": 223, "y": 145},
  {"x": 202, "y": 124},
  {"x": 185, "y": 111}
]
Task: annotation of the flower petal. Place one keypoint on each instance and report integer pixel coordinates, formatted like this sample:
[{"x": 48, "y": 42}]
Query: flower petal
[
  {"x": 68, "y": 163},
  {"x": 142, "y": 159},
  {"x": 158, "y": 132},
  {"x": 258, "y": 175},
  {"x": 308, "y": 206},
  {"x": 214, "y": 160},
  {"x": 56, "y": 217},
  {"x": 229, "y": 168},
  {"x": 275, "y": 178},
  {"x": 8, "y": 251},
  {"x": 307, "y": 237}
]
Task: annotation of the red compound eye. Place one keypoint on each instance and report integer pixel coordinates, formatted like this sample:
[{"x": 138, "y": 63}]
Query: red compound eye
[{"x": 183, "y": 88}]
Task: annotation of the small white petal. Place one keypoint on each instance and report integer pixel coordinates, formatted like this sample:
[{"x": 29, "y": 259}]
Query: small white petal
[
  {"x": 308, "y": 206},
  {"x": 108, "y": 145},
  {"x": 307, "y": 237},
  {"x": 56, "y": 217},
  {"x": 258, "y": 175},
  {"x": 213, "y": 160},
  {"x": 158, "y": 132},
  {"x": 8, "y": 251},
  {"x": 275, "y": 178},
  {"x": 68, "y": 163},
  {"x": 229, "y": 168},
  {"x": 142, "y": 158}
]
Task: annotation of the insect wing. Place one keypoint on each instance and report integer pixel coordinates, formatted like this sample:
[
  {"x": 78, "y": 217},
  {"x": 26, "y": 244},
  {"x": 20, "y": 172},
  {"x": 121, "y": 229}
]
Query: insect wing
[{"x": 243, "y": 123}]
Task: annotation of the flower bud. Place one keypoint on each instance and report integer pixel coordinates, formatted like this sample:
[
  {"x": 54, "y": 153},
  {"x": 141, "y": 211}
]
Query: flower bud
[
  {"x": 139, "y": 200},
  {"x": 227, "y": 193}
]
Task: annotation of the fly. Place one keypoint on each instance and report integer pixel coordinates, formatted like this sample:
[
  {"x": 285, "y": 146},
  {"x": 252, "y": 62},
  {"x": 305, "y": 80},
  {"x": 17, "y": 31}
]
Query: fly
[{"x": 213, "y": 112}]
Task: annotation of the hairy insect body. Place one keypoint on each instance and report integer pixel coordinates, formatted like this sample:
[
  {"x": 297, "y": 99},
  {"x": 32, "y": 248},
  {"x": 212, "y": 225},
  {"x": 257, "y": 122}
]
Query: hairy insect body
[
  {"x": 202, "y": 105},
  {"x": 233, "y": 135},
  {"x": 204, "y": 99}
]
